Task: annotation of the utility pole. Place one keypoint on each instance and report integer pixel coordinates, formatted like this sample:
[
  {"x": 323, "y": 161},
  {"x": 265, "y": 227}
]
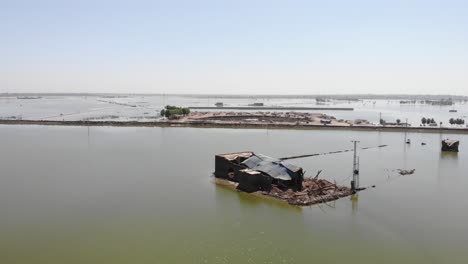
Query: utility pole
[
  {"x": 406, "y": 130},
  {"x": 355, "y": 181}
]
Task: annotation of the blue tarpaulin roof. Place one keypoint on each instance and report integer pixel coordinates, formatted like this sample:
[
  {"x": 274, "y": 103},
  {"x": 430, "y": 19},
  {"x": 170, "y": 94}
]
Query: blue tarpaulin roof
[{"x": 275, "y": 168}]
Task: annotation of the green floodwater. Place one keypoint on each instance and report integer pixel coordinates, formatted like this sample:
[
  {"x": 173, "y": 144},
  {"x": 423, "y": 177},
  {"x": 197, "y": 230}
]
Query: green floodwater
[{"x": 144, "y": 195}]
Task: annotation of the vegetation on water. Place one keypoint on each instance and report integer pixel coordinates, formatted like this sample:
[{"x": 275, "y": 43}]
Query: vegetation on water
[{"x": 173, "y": 112}]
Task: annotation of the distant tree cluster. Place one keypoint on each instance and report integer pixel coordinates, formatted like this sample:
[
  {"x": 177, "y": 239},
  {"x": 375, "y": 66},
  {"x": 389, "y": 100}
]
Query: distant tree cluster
[
  {"x": 171, "y": 111},
  {"x": 408, "y": 102},
  {"x": 457, "y": 121},
  {"x": 428, "y": 121},
  {"x": 443, "y": 101}
]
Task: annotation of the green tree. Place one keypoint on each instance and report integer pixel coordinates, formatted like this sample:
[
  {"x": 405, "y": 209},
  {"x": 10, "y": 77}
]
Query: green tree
[
  {"x": 423, "y": 121},
  {"x": 452, "y": 121},
  {"x": 398, "y": 121},
  {"x": 185, "y": 111},
  {"x": 171, "y": 111}
]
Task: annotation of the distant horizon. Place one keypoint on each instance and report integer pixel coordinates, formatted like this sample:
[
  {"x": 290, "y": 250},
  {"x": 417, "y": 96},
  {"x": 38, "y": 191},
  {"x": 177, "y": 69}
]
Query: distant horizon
[
  {"x": 363, "y": 95},
  {"x": 235, "y": 47}
]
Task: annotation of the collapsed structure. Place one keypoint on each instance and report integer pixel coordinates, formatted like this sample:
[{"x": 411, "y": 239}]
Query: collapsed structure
[
  {"x": 450, "y": 145},
  {"x": 257, "y": 172},
  {"x": 251, "y": 172}
]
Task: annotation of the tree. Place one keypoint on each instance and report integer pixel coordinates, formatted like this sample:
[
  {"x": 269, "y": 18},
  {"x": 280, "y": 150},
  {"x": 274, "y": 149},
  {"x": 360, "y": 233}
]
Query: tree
[
  {"x": 459, "y": 121},
  {"x": 174, "y": 111},
  {"x": 452, "y": 121},
  {"x": 382, "y": 122},
  {"x": 398, "y": 121},
  {"x": 423, "y": 121},
  {"x": 185, "y": 111}
]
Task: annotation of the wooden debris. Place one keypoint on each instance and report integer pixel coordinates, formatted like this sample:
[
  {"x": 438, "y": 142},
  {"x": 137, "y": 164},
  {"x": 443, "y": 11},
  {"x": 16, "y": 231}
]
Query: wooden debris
[{"x": 314, "y": 191}]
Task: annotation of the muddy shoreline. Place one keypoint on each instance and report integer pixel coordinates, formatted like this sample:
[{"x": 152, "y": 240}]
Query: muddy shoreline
[{"x": 240, "y": 125}]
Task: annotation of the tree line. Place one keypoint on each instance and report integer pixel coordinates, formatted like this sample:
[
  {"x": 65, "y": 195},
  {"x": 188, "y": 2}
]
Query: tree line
[
  {"x": 427, "y": 121},
  {"x": 457, "y": 121}
]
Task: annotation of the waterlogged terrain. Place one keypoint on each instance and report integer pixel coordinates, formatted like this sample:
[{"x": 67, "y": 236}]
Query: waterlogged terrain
[
  {"x": 144, "y": 195},
  {"x": 144, "y": 108}
]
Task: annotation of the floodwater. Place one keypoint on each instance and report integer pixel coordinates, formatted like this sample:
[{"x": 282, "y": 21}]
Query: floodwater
[{"x": 144, "y": 195}]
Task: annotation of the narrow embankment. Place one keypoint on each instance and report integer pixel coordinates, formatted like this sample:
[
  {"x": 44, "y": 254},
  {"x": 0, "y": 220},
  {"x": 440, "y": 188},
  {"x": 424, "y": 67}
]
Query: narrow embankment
[{"x": 239, "y": 125}]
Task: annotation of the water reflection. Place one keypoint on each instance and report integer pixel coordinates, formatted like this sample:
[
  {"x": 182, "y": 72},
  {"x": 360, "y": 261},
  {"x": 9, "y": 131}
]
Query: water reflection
[
  {"x": 446, "y": 155},
  {"x": 447, "y": 162},
  {"x": 225, "y": 193},
  {"x": 354, "y": 202}
]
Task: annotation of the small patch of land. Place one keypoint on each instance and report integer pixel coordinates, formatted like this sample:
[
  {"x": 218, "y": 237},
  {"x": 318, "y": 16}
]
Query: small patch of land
[
  {"x": 277, "y": 108},
  {"x": 260, "y": 118}
]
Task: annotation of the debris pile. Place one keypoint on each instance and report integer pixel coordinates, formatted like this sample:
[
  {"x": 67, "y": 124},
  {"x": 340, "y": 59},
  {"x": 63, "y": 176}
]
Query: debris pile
[
  {"x": 262, "y": 117},
  {"x": 314, "y": 191}
]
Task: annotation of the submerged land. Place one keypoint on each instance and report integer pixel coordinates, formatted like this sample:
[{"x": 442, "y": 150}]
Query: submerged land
[
  {"x": 247, "y": 120},
  {"x": 330, "y": 112}
]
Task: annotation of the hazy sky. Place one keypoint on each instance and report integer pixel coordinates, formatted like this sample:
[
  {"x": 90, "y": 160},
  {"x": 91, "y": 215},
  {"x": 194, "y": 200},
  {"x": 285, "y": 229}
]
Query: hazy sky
[{"x": 231, "y": 47}]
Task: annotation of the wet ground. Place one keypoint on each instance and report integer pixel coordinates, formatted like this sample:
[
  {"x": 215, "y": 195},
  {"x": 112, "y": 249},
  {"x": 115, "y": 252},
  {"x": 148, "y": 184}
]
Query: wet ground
[{"x": 147, "y": 108}]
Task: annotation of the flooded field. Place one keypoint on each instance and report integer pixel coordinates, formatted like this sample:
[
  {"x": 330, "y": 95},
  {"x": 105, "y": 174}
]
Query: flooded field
[
  {"x": 147, "y": 108},
  {"x": 145, "y": 195}
]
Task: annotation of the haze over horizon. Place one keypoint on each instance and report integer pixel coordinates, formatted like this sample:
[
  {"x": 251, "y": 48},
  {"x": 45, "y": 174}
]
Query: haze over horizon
[{"x": 234, "y": 47}]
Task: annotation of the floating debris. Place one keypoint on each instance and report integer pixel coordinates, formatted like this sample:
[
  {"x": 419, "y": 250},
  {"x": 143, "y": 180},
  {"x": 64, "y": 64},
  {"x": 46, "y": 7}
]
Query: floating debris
[{"x": 406, "y": 172}]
